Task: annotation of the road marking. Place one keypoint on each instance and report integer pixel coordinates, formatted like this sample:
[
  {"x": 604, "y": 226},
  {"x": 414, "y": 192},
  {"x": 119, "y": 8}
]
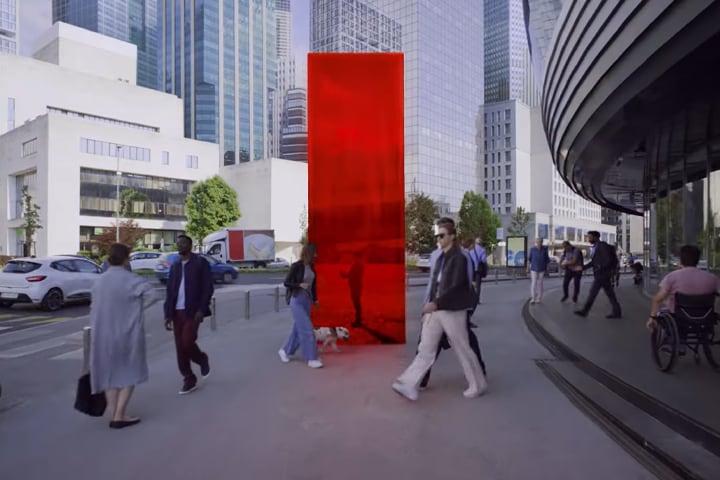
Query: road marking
[
  {"x": 76, "y": 354},
  {"x": 51, "y": 320},
  {"x": 19, "y": 335},
  {"x": 6, "y": 315},
  {"x": 32, "y": 348},
  {"x": 4, "y": 328}
]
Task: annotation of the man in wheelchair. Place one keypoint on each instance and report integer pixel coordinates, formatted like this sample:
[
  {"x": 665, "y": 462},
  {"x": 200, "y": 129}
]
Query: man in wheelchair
[{"x": 689, "y": 317}]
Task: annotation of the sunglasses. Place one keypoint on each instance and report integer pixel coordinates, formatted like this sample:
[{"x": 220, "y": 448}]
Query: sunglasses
[{"x": 440, "y": 236}]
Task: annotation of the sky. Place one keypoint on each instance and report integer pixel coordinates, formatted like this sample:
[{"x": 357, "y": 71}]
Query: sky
[{"x": 35, "y": 17}]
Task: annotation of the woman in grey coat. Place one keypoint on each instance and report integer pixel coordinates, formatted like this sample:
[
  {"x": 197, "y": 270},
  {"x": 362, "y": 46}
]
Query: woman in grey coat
[{"x": 117, "y": 353}]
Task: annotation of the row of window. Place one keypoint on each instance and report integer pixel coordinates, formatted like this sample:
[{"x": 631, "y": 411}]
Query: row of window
[
  {"x": 495, "y": 116},
  {"x": 497, "y": 184},
  {"x": 95, "y": 118},
  {"x": 493, "y": 145},
  {"x": 494, "y": 198},
  {"x": 508, "y": 171},
  {"x": 498, "y": 132},
  {"x": 129, "y": 152},
  {"x": 494, "y": 155}
]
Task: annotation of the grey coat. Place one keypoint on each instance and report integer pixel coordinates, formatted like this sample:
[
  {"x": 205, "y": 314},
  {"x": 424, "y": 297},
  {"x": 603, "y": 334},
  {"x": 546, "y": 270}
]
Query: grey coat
[{"x": 117, "y": 345}]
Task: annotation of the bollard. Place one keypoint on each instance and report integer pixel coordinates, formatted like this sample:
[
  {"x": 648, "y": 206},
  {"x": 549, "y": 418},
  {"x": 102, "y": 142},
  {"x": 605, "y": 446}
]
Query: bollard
[
  {"x": 213, "y": 315},
  {"x": 86, "y": 350},
  {"x": 277, "y": 298},
  {"x": 497, "y": 276},
  {"x": 247, "y": 305}
]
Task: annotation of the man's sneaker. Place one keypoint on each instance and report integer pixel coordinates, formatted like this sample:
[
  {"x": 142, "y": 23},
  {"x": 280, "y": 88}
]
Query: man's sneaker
[
  {"x": 283, "y": 356},
  {"x": 205, "y": 369},
  {"x": 188, "y": 388},
  {"x": 581, "y": 313},
  {"x": 405, "y": 390},
  {"x": 563, "y": 300},
  {"x": 315, "y": 364}
]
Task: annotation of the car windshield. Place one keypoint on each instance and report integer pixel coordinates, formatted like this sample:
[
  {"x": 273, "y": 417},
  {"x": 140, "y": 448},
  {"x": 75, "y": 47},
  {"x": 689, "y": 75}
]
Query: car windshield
[
  {"x": 211, "y": 260},
  {"x": 21, "y": 267}
]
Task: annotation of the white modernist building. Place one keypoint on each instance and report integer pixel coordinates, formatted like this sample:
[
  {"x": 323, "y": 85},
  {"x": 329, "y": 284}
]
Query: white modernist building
[
  {"x": 517, "y": 171},
  {"x": 81, "y": 126},
  {"x": 272, "y": 194}
]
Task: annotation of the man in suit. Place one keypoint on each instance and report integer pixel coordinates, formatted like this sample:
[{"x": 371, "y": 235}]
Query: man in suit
[
  {"x": 602, "y": 261},
  {"x": 189, "y": 290}
]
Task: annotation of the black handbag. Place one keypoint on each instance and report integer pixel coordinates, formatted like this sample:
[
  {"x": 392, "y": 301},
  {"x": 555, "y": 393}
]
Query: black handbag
[{"x": 93, "y": 404}]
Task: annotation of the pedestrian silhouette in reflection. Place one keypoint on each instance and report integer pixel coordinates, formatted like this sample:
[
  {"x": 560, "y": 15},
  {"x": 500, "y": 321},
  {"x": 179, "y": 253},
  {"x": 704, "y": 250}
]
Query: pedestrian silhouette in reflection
[{"x": 355, "y": 281}]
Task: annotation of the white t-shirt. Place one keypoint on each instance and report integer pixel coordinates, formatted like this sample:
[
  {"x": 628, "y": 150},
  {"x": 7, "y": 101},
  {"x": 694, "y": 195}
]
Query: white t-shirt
[{"x": 180, "y": 305}]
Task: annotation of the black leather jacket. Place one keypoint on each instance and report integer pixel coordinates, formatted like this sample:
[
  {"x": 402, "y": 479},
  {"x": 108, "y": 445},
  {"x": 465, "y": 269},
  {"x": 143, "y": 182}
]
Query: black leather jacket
[
  {"x": 453, "y": 292},
  {"x": 295, "y": 277}
]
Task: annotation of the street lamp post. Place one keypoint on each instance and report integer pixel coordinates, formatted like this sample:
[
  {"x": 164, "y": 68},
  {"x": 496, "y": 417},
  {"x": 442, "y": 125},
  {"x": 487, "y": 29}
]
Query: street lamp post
[{"x": 118, "y": 174}]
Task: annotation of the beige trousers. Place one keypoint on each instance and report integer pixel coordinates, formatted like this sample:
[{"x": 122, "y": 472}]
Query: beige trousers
[{"x": 453, "y": 323}]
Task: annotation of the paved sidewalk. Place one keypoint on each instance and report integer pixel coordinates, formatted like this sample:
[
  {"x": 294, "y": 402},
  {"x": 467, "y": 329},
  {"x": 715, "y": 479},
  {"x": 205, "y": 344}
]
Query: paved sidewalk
[
  {"x": 256, "y": 418},
  {"x": 622, "y": 347}
]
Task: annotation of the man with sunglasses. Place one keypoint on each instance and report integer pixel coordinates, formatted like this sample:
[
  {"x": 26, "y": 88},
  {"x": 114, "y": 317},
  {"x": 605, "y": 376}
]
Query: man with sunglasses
[{"x": 472, "y": 338}]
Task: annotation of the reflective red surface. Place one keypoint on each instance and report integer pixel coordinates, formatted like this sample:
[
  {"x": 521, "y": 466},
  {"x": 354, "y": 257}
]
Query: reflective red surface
[{"x": 356, "y": 193}]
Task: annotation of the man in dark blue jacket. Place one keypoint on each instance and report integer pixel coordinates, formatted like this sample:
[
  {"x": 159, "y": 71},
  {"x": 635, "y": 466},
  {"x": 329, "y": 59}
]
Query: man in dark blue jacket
[{"x": 189, "y": 290}]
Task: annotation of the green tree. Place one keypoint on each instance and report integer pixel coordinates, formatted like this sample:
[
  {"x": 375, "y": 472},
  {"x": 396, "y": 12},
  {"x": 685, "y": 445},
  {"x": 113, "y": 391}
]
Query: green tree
[
  {"x": 477, "y": 219},
  {"x": 420, "y": 214},
  {"x": 211, "y": 205},
  {"x": 304, "y": 225},
  {"x": 127, "y": 199},
  {"x": 31, "y": 220},
  {"x": 130, "y": 234},
  {"x": 519, "y": 222}
]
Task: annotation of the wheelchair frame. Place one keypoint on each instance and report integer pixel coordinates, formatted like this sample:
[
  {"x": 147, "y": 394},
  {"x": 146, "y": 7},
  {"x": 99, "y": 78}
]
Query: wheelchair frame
[{"x": 691, "y": 326}]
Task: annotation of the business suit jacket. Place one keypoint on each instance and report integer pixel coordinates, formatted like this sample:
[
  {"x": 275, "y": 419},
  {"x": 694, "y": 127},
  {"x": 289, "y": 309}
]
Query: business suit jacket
[
  {"x": 199, "y": 287},
  {"x": 601, "y": 261}
]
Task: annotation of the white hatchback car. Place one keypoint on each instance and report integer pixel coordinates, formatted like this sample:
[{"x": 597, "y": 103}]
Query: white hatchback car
[
  {"x": 49, "y": 282},
  {"x": 144, "y": 260}
]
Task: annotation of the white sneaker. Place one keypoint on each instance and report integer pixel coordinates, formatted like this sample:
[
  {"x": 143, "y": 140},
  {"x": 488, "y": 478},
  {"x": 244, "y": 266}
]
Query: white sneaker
[
  {"x": 283, "y": 356},
  {"x": 472, "y": 393},
  {"x": 532, "y": 301},
  {"x": 315, "y": 364},
  {"x": 406, "y": 391}
]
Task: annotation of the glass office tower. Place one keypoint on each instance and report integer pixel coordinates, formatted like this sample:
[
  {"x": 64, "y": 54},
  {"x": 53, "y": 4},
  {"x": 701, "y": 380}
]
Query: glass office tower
[
  {"x": 220, "y": 58},
  {"x": 133, "y": 21},
  {"x": 9, "y": 27}
]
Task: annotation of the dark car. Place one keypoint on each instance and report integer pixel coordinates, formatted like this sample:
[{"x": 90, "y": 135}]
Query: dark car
[
  {"x": 221, "y": 272},
  {"x": 553, "y": 266}
]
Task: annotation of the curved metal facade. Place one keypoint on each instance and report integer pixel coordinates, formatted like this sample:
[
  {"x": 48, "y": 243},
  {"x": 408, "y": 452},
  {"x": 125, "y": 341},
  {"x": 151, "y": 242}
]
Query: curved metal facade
[{"x": 631, "y": 95}]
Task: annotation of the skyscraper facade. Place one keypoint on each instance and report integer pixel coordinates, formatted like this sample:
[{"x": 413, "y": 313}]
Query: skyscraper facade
[
  {"x": 294, "y": 144},
  {"x": 220, "y": 57},
  {"x": 9, "y": 27},
  {"x": 442, "y": 41},
  {"x": 133, "y": 21},
  {"x": 285, "y": 73},
  {"x": 508, "y": 68}
]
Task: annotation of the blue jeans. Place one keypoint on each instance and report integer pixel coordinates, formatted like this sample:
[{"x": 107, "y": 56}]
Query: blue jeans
[{"x": 302, "y": 334}]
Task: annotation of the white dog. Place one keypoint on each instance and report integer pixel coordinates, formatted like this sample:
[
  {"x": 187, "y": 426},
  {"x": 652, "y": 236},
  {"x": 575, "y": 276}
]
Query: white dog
[{"x": 330, "y": 335}]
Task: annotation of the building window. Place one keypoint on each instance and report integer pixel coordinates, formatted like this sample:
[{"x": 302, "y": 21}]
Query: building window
[
  {"x": 191, "y": 161},
  {"x": 493, "y": 130},
  {"x": 165, "y": 158},
  {"x": 485, "y": 172},
  {"x": 29, "y": 147},
  {"x": 109, "y": 149},
  {"x": 507, "y": 129},
  {"x": 507, "y": 114},
  {"x": 507, "y": 209},
  {"x": 165, "y": 197},
  {"x": 493, "y": 117},
  {"x": 507, "y": 142},
  {"x": 11, "y": 114},
  {"x": 508, "y": 183},
  {"x": 508, "y": 169},
  {"x": 486, "y": 158},
  {"x": 508, "y": 156},
  {"x": 486, "y": 185},
  {"x": 508, "y": 198}
]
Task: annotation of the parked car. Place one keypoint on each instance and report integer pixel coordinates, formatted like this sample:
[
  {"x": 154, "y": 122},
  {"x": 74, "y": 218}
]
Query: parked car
[
  {"x": 221, "y": 272},
  {"x": 424, "y": 262},
  {"x": 144, "y": 260},
  {"x": 49, "y": 282},
  {"x": 279, "y": 263},
  {"x": 553, "y": 266}
]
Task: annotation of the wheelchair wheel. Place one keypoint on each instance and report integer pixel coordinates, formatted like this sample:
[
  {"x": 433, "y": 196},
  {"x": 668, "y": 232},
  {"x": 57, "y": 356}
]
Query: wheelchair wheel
[
  {"x": 665, "y": 343},
  {"x": 707, "y": 349}
]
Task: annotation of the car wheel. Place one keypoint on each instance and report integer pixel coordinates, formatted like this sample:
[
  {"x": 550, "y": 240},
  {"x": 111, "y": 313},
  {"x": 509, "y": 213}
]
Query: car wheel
[
  {"x": 53, "y": 300},
  {"x": 227, "y": 277}
]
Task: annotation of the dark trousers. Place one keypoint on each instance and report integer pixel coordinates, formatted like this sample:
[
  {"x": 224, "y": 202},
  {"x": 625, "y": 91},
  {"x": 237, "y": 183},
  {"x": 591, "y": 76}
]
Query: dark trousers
[
  {"x": 185, "y": 330},
  {"x": 443, "y": 341},
  {"x": 478, "y": 286},
  {"x": 357, "y": 305},
  {"x": 602, "y": 282},
  {"x": 575, "y": 278}
]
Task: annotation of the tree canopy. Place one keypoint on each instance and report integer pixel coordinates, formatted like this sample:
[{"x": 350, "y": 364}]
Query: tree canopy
[{"x": 211, "y": 205}]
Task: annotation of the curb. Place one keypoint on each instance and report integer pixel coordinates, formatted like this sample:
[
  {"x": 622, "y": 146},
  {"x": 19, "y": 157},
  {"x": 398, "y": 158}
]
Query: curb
[{"x": 696, "y": 432}]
